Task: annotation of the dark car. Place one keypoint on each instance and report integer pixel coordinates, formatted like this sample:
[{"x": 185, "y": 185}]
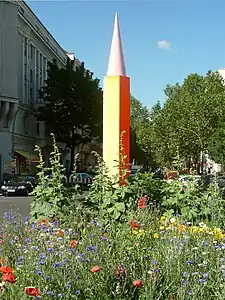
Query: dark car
[
  {"x": 158, "y": 174},
  {"x": 17, "y": 186}
]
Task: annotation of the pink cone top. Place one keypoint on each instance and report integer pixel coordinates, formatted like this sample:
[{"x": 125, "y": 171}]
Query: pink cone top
[{"x": 116, "y": 66}]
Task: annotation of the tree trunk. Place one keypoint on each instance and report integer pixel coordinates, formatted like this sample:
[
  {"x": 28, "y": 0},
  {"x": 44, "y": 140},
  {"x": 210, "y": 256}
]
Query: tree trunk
[{"x": 72, "y": 158}]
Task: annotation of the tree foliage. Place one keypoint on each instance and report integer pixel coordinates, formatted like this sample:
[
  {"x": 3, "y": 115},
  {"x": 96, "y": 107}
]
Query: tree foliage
[
  {"x": 72, "y": 105},
  {"x": 192, "y": 113},
  {"x": 190, "y": 121}
]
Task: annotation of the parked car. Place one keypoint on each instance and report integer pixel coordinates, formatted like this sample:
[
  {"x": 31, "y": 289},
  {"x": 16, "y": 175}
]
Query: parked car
[
  {"x": 191, "y": 178},
  {"x": 16, "y": 186},
  {"x": 84, "y": 179}
]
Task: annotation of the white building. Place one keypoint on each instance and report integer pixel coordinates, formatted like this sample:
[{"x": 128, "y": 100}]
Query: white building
[{"x": 25, "y": 48}]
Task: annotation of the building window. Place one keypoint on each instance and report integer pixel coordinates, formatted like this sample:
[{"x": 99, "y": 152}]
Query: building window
[
  {"x": 31, "y": 95},
  {"x": 37, "y": 59},
  {"x": 31, "y": 51},
  {"x": 40, "y": 61},
  {"x": 25, "y": 92},
  {"x": 25, "y": 71},
  {"x": 25, "y": 47},
  {"x": 31, "y": 76},
  {"x": 38, "y": 128}
]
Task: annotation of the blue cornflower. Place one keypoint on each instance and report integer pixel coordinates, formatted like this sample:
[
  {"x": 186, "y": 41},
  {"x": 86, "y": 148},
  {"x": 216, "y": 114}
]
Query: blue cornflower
[
  {"x": 42, "y": 255},
  {"x": 103, "y": 238},
  {"x": 185, "y": 274},
  {"x": 87, "y": 260},
  {"x": 205, "y": 244},
  {"x": 27, "y": 219},
  {"x": 20, "y": 258},
  {"x": 33, "y": 225},
  {"x": 27, "y": 240},
  {"x": 57, "y": 265},
  {"x": 38, "y": 271},
  {"x": 50, "y": 293},
  {"x": 91, "y": 248},
  {"x": 155, "y": 270},
  {"x": 190, "y": 262},
  {"x": 68, "y": 285},
  {"x": 48, "y": 277},
  {"x": 77, "y": 292},
  {"x": 93, "y": 221},
  {"x": 41, "y": 261},
  {"x": 6, "y": 215},
  {"x": 202, "y": 281},
  {"x": 59, "y": 295},
  {"x": 155, "y": 262},
  {"x": 50, "y": 250},
  {"x": 184, "y": 282},
  {"x": 55, "y": 223}
]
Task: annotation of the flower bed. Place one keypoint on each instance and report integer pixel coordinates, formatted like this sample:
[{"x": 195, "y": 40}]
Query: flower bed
[{"x": 146, "y": 258}]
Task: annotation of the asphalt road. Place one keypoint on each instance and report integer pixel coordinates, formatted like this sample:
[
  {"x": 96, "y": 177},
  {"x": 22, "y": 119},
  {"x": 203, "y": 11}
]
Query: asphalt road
[{"x": 18, "y": 205}]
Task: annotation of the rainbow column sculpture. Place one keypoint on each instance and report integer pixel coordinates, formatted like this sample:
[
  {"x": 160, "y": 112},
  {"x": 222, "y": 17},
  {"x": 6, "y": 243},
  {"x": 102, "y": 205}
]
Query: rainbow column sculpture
[{"x": 116, "y": 106}]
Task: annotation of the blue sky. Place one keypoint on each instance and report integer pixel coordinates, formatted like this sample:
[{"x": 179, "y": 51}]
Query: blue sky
[{"x": 163, "y": 41}]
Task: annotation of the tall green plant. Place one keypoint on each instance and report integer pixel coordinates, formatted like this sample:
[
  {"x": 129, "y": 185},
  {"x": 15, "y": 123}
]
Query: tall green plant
[{"x": 51, "y": 197}]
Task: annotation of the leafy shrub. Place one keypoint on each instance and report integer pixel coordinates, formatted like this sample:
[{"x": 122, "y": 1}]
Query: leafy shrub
[{"x": 52, "y": 198}]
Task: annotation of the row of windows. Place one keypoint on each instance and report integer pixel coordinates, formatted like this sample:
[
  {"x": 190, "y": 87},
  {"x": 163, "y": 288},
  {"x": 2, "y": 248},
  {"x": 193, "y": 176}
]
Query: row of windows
[{"x": 35, "y": 71}]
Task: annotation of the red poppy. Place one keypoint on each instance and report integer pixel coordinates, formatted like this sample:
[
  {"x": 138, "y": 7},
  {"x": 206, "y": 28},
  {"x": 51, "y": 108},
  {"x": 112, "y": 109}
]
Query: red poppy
[
  {"x": 95, "y": 269},
  {"x": 43, "y": 222},
  {"x": 32, "y": 291},
  {"x": 73, "y": 243},
  {"x": 142, "y": 202},
  {"x": 137, "y": 283},
  {"x": 6, "y": 269},
  {"x": 10, "y": 277},
  {"x": 133, "y": 224}
]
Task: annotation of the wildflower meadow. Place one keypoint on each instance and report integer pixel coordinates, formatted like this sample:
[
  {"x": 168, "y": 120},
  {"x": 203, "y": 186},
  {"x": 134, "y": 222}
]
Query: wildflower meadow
[{"x": 144, "y": 240}]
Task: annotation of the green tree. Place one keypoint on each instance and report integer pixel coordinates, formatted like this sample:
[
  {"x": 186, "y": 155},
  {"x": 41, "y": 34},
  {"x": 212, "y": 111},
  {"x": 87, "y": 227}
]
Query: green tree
[
  {"x": 72, "y": 107},
  {"x": 216, "y": 145},
  {"x": 142, "y": 132},
  {"x": 191, "y": 114}
]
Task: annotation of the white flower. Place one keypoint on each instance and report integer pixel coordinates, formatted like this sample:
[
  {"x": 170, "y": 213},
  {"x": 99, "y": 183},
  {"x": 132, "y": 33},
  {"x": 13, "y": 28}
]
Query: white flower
[{"x": 172, "y": 220}]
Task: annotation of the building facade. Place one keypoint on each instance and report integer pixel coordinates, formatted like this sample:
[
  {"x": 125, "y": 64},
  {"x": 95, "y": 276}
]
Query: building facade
[{"x": 26, "y": 46}]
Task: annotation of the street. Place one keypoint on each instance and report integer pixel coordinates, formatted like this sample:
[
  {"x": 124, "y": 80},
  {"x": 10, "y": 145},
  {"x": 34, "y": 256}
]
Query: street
[{"x": 15, "y": 204}]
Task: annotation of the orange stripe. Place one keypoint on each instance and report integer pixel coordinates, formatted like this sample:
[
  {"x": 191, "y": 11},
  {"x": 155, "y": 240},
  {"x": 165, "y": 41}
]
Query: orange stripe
[{"x": 125, "y": 115}]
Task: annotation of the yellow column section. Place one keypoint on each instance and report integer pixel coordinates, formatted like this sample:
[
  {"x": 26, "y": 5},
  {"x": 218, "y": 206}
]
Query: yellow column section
[{"x": 111, "y": 123}]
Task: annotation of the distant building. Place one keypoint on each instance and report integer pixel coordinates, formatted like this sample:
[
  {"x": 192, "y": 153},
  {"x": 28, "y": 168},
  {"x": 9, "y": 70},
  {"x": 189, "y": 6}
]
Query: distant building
[{"x": 26, "y": 48}]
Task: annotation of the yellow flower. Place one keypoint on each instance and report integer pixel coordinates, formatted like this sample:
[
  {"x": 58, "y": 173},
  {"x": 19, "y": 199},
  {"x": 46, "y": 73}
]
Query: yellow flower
[{"x": 155, "y": 235}]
